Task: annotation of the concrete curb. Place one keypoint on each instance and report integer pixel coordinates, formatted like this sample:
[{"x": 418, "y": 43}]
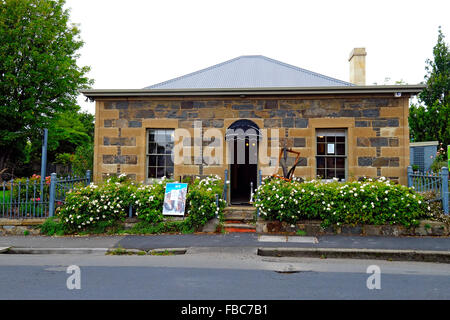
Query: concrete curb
[
  {"x": 154, "y": 252},
  {"x": 378, "y": 254},
  {"x": 13, "y": 250},
  {"x": 174, "y": 251},
  {"x": 4, "y": 249},
  {"x": 111, "y": 251}
]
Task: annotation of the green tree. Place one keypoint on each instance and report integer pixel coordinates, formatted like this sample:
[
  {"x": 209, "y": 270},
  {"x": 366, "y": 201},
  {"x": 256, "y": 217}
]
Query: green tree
[
  {"x": 68, "y": 131},
  {"x": 70, "y": 137},
  {"x": 39, "y": 76},
  {"x": 430, "y": 119}
]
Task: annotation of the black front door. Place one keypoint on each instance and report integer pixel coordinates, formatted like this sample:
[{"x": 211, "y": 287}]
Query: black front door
[{"x": 243, "y": 171}]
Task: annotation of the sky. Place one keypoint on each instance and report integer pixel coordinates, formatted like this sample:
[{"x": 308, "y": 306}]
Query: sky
[{"x": 131, "y": 44}]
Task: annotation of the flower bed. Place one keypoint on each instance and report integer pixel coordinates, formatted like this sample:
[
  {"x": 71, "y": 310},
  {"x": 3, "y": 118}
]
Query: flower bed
[
  {"x": 373, "y": 202},
  {"x": 107, "y": 204}
]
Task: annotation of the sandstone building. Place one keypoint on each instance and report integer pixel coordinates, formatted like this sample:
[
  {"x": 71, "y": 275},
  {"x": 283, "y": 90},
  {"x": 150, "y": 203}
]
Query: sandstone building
[{"x": 341, "y": 129}]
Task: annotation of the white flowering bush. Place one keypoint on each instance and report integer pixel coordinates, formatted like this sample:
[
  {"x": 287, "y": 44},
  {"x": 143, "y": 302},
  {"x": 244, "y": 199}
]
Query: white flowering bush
[
  {"x": 201, "y": 201},
  {"x": 108, "y": 203},
  {"x": 148, "y": 201},
  {"x": 86, "y": 207},
  {"x": 375, "y": 202}
]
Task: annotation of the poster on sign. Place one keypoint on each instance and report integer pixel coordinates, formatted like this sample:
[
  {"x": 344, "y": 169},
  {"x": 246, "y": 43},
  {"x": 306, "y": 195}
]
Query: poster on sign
[{"x": 175, "y": 199}]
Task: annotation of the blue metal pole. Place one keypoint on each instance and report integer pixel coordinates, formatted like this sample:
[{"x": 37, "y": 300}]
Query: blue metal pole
[
  {"x": 410, "y": 178},
  {"x": 51, "y": 202},
  {"x": 444, "y": 190},
  {"x": 88, "y": 176},
  {"x": 43, "y": 163}
]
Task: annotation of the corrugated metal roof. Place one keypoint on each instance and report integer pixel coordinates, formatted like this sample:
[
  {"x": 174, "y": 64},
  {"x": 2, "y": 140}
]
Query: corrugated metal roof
[{"x": 250, "y": 72}]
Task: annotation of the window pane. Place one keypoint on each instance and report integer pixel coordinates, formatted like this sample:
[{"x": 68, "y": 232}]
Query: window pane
[
  {"x": 152, "y": 161},
  {"x": 340, "y": 149},
  {"x": 152, "y": 148},
  {"x": 340, "y": 139},
  {"x": 331, "y": 162},
  {"x": 151, "y": 136},
  {"x": 320, "y": 139},
  {"x": 340, "y": 174},
  {"x": 331, "y": 148},
  {"x": 340, "y": 163},
  {"x": 169, "y": 160},
  {"x": 320, "y": 162},
  {"x": 159, "y": 172},
  {"x": 152, "y": 172},
  {"x": 331, "y": 139},
  {"x": 161, "y": 149},
  {"x": 169, "y": 147},
  {"x": 169, "y": 135},
  {"x": 320, "y": 148},
  {"x": 161, "y": 162},
  {"x": 169, "y": 172},
  {"x": 160, "y": 136},
  {"x": 330, "y": 174}
]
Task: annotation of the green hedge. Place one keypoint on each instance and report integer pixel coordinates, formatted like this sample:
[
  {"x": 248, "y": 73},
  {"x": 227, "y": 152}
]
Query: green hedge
[
  {"x": 374, "y": 202},
  {"x": 109, "y": 202}
]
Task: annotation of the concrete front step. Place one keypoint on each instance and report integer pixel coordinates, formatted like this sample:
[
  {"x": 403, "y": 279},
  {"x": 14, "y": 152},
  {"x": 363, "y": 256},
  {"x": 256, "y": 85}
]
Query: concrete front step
[
  {"x": 240, "y": 208},
  {"x": 242, "y": 213},
  {"x": 239, "y": 225}
]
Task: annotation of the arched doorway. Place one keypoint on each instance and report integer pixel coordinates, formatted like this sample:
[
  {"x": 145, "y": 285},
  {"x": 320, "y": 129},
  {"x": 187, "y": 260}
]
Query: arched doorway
[{"x": 242, "y": 141}]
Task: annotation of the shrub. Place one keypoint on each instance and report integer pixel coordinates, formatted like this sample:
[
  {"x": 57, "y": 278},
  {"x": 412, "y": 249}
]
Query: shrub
[
  {"x": 363, "y": 202},
  {"x": 437, "y": 165},
  {"x": 148, "y": 201},
  {"x": 108, "y": 203},
  {"x": 436, "y": 211},
  {"x": 87, "y": 206},
  {"x": 201, "y": 201},
  {"x": 52, "y": 226}
]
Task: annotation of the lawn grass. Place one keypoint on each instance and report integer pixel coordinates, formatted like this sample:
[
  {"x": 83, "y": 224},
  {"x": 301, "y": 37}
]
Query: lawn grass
[{"x": 6, "y": 196}]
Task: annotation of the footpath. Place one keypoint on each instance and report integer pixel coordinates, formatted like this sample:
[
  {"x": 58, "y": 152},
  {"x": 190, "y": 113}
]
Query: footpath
[{"x": 431, "y": 249}]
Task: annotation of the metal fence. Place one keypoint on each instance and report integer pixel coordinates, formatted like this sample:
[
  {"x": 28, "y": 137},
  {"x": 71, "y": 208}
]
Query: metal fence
[
  {"x": 430, "y": 181},
  {"x": 22, "y": 199}
]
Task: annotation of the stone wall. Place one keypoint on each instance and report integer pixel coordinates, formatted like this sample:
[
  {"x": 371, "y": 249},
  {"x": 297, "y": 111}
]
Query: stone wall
[
  {"x": 20, "y": 226},
  {"x": 377, "y": 130},
  {"x": 313, "y": 228}
]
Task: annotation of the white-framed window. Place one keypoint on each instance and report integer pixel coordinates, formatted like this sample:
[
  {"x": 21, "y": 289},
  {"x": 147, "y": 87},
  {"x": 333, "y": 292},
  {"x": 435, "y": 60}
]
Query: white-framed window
[
  {"x": 331, "y": 157},
  {"x": 160, "y": 144}
]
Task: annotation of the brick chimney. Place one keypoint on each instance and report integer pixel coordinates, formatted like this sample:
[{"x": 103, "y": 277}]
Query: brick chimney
[{"x": 358, "y": 66}]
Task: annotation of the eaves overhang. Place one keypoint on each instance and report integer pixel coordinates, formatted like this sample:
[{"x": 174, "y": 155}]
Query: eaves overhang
[{"x": 396, "y": 90}]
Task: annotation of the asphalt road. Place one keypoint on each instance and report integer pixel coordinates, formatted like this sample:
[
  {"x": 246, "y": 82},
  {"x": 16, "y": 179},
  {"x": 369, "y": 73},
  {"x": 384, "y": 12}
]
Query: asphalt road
[{"x": 232, "y": 274}]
